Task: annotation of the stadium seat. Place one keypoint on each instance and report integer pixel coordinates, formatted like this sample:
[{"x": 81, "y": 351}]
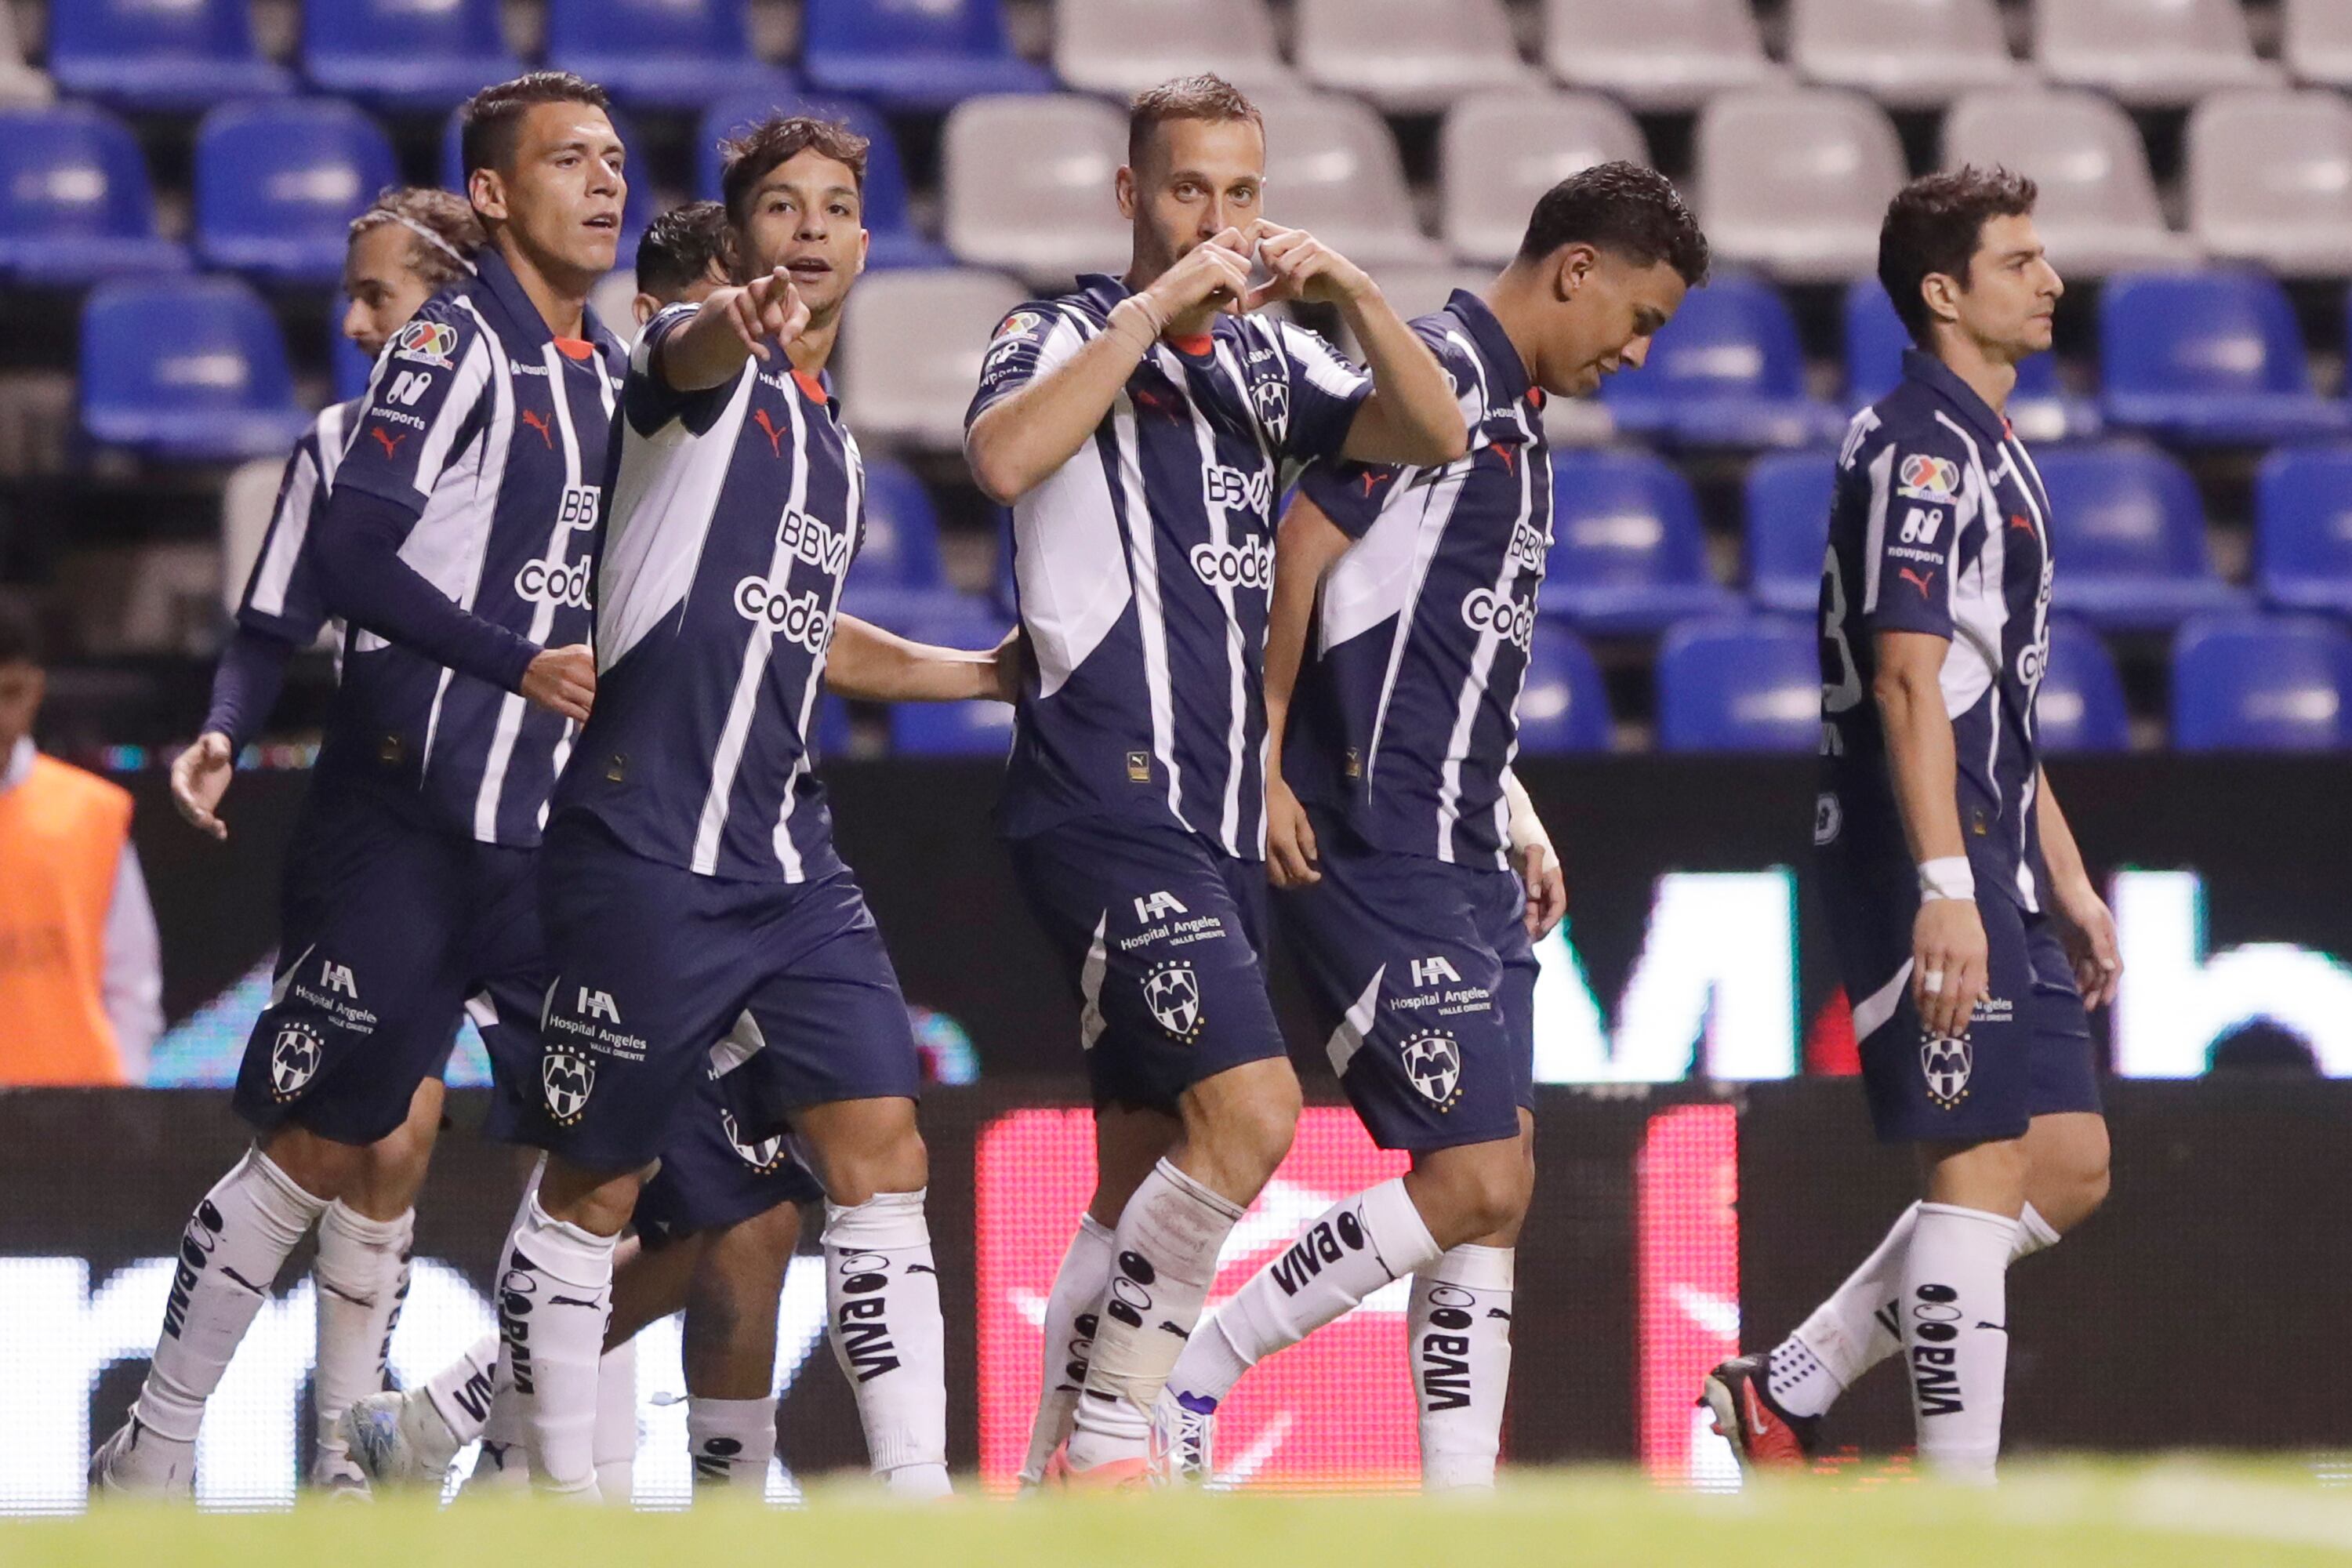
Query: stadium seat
[
  {"x": 279, "y": 180},
  {"x": 2270, "y": 180},
  {"x": 2209, "y": 358},
  {"x": 2315, "y": 41},
  {"x": 1409, "y": 56},
  {"x": 1118, "y": 48},
  {"x": 2079, "y": 706},
  {"x": 950, "y": 729},
  {"x": 2253, "y": 683},
  {"x": 1725, "y": 371},
  {"x": 1657, "y": 57},
  {"x": 2039, "y": 407},
  {"x": 2149, "y": 54},
  {"x": 185, "y": 368},
  {"x": 1908, "y": 53},
  {"x": 1497, "y": 153},
  {"x": 1796, "y": 179},
  {"x": 21, "y": 86},
  {"x": 1331, "y": 166},
  {"x": 138, "y": 54},
  {"x": 914, "y": 54},
  {"x": 2098, "y": 210},
  {"x": 910, "y": 355},
  {"x": 403, "y": 54},
  {"x": 1788, "y": 496},
  {"x": 1028, "y": 183},
  {"x": 74, "y": 199},
  {"x": 2303, "y": 529},
  {"x": 637, "y": 207},
  {"x": 1563, "y": 704},
  {"x": 2127, "y": 531},
  {"x": 1628, "y": 553},
  {"x": 1739, "y": 684},
  {"x": 660, "y": 53},
  {"x": 934, "y": 614},
  {"x": 834, "y": 730},
  {"x": 901, "y": 547},
  {"x": 893, "y": 240}
]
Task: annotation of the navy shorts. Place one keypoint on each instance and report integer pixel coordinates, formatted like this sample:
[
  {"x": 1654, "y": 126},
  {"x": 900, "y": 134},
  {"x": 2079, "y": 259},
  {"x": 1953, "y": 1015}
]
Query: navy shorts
[
  {"x": 712, "y": 1178},
  {"x": 2027, "y": 1053},
  {"x": 654, "y": 967},
  {"x": 1423, "y": 983},
  {"x": 389, "y": 930},
  {"x": 1159, "y": 934}
]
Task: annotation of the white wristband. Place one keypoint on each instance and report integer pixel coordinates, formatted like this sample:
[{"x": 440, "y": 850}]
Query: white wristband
[{"x": 1949, "y": 878}]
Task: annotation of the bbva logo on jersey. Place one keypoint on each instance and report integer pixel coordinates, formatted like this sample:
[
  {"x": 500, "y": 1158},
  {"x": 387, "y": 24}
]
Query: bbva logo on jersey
[{"x": 1231, "y": 489}]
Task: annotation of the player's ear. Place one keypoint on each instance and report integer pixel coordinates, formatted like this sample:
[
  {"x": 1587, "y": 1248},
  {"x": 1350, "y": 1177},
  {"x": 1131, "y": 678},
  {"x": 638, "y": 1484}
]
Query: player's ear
[
  {"x": 865, "y": 244},
  {"x": 1573, "y": 269},
  {"x": 488, "y": 193},
  {"x": 644, "y": 307},
  {"x": 1941, "y": 293},
  {"x": 1125, "y": 185}
]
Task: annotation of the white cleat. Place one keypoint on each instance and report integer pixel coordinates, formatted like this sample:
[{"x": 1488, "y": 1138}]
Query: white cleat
[
  {"x": 398, "y": 1440},
  {"x": 336, "y": 1478},
  {"x": 1183, "y": 1439},
  {"x": 136, "y": 1462}
]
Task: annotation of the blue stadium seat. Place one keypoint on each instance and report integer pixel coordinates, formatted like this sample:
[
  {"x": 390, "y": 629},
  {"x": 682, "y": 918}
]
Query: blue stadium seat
[
  {"x": 942, "y": 616},
  {"x": 2303, "y": 529},
  {"x": 138, "y": 54},
  {"x": 901, "y": 548},
  {"x": 894, "y": 240},
  {"x": 404, "y": 55},
  {"x": 950, "y": 729},
  {"x": 914, "y": 54},
  {"x": 2211, "y": 358},
  {"x": 2080, "y": 706},
  {"x": 2127, "y": 531},
  {"x": 1725, "y": 371},
  {"x": 1628, "y": 553},
  {"x": 1788, "y": 496},
  {"x": 1564, "y": 705},
  {"x": 279, "y": 180},
  {"x": 833, "y": 726},
  {"x": 74, "y": 199},
  {"x": 349, "y": 367},
  {"x": 2041, "y": 408},
  {"x": 188, "y": 368},
  {"x": 1738, "y": 684},
  {"x": 636, "y": 208},
  {"x": 2252, "y": 683},
  {"x": 661, "y": 54}
]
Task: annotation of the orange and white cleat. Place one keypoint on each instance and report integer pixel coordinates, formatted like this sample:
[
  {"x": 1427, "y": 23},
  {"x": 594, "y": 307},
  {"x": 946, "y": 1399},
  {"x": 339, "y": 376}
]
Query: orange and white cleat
[
  {"x": 1764, "y": 1435},
  {"x": 1110, "y": 1476}
]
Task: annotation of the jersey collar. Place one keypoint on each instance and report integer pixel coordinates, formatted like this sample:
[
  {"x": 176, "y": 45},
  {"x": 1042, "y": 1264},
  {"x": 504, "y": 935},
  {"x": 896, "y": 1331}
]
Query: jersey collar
[
  {"x": 1941, "y": 379},
  {"x": 524, "y": 325},
  {"x": 1507, "y": 374}
]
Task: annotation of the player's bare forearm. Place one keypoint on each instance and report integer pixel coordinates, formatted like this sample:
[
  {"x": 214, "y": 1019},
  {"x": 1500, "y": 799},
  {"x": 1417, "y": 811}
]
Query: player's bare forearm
[
  {"x": 1016, "y": 445},
  {"x": 1412, "y": 415},
  {"x": 1304, "y": 547},
  {"x": 1920, "y": 752},
  {"x": 867, "y": 664}
]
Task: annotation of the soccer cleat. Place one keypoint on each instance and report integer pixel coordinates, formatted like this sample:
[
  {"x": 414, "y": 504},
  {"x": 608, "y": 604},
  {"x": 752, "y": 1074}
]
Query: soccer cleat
[
  {"x": 1110, "y": 1476},
  {"x": 398, "y": 1439},
  {"x": 340, "y": 1480},
  {"x": 1763, "y": 1435},
  {"x": 1184, "y": 1438},
  {"x": 135, "y": 1462},
  {"x": 500, "y": 1468}
]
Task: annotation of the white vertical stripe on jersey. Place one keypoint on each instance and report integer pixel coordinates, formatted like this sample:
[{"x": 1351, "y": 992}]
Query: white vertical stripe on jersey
[
  {"x": 1979, "y": 605},
  {"x": 1069, "y": 561},
  {"x": 2022, "y": 463},
  {"x": 1221, "y": 536},
  {"x": 658, "y": 520},
  {"x": 1143, "y": 571},
  {"x": 1323, "y": 367},
  {"x": 608, "y": 395},
  {"x": 286, "y": 532},
  {"x": 1874, "y": 543},
  {"x": 787, "y": 852},
  {"x": 1474, "y": 684},
  {"x": 478, "y": 370},
  {"x": 746, "y": 699},
  {"x": 454, "y": 563},
  {"x": 1272, "y": 466},
  {"x": 1438, "y": 500},
  {"x": 335, "y": 432}
]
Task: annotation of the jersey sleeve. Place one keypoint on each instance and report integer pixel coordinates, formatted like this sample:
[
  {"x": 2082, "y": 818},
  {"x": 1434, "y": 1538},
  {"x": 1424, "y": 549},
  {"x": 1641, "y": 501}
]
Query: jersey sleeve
[
  {"x": 1325, "y": 392},
  {"x": 651, "y": 402},
  {"x": 1026, "y": 345},
  {"x": 282, "y": 597},
  {"x": 423, "y": 407},
  {"x": 1351, "y": 494},
  {"x": 1915, "y": 493}
]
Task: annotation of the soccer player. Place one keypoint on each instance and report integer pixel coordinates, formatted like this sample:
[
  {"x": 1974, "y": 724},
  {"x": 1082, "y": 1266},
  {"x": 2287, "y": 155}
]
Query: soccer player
[
  {"x": 453, "y": 543},
  {"x": 1970, "y": 937},
  {"x": 1138, "y": 426},
  {"x": 1420, "y": 872},
  {"x": 693, "y": 895}
]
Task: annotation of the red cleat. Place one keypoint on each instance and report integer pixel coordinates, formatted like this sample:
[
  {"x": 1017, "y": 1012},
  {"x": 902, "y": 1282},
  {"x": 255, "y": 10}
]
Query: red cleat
[
  {"x": 1110, "y": 1476},
  {"x": 1764, "y": 1435}
]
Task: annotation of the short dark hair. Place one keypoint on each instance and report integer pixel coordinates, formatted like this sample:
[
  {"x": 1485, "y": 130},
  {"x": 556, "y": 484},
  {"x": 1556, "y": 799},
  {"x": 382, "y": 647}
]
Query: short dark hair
[
  {"x": 491, "y": 120},
  {"x": 1935, "y": 225},
  {"x": 681, "y": 247},
  {"x": 20, "y": 631},
  {"x": 1203, "y": 97},
  {"x": 778, "y": 140},
  {"x": 444, "y": 215},
  {"x": 1622, "y": 208}
]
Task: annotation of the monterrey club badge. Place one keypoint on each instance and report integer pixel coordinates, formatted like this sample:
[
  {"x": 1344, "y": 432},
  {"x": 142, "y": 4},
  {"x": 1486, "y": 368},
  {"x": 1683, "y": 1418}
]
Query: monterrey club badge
[
  {"x": 1946, "y": 1063},
  {"x": 294, "y": 1059},
  {"x": 1434, "y": 1063},
  {"x": 1172, "y": 991},
  {"x": 766, "y": 1156},
  {"x": 567, "y": 1080}
]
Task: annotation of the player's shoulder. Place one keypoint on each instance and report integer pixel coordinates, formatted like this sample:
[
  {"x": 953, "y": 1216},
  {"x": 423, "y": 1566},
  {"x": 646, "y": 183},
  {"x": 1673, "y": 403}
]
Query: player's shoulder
[{"x": 1910, "y": 420}]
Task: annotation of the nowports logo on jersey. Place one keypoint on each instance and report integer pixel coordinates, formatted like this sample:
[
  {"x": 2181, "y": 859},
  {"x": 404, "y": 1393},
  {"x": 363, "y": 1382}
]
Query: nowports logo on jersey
[
  {"x": 553, "y": 583},
  {"x": 1249, "y": 564},
  {"x": 796, "y": 617},
  {"x": 1926, "y": 478},
  {"x": 1487, "y": 611},
  {"x": 426, "y": 343}
]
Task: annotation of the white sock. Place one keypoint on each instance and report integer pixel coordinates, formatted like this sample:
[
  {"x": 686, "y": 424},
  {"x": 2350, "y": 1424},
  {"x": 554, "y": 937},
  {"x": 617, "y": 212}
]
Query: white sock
[
  {"x": 506, "y": 1446},
  {"x": 1164, "y": 1259},
  {"x": 1348, "y": 1252},
  {"x": 459, "y": 1394},
  {"x": 236, "y": 1242},
  {"x": 555, "y": 1291},
  {"x": 616, "y": 1445},
  {"x": 1072, "y": 1311},
  {"x": 1954, "y": 1316},
  {"x": 1458, "y": 1335},
  {"x": 361, "y": 1275},
  {"x": 882, "y": 1303},
  {"x": 731, "y": 1441}
]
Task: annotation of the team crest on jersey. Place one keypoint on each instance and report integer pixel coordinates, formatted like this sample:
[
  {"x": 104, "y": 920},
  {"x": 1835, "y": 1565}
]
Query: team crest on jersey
[
  {"x": 1927, "y": 478},
  {"x": 765, "y": 1157},
  {"x": 426, "y": 343},
  {"x": 1172, "y": 991},
  {"x": 294, "y": 1059},
  {"x": 1946, "y": 1063},
  {"x": 567, "y": 1080},
  {"x": 1432, "y": 1062},
  {"x": 1272, "y": 401}
]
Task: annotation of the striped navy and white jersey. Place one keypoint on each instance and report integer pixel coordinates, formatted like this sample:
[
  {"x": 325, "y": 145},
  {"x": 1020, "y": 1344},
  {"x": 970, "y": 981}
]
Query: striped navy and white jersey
[
  {"x": 1143, "y": 566},
  {"x": 1406, "y": 712},
  {"x": 1940, "y": 525},
  {"x": 493, "y": 433},
  {"x": 282, "y": 596},
  {"x": 736, "y": 512}
]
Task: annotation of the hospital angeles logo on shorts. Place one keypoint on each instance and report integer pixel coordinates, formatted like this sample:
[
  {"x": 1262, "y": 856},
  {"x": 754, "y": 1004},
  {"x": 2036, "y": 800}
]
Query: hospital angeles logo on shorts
[
  {"x": 567, "y": 1080},
  {"x": 1172, "y": 991},
  {"x": 1432, "y": 1062},
  {"x": 294, "y": 1058},
  {"x": 1946, "y": 1062},
  {"x": 764, "y": 1157}
]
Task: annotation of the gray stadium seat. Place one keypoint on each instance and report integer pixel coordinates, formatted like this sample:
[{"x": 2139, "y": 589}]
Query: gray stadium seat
[
  {"x": 1331, "y": 166},
  {"x": 2315, "y": 41},
  {"x": 1028, "y": 185},
  {"x": 2270, "y": 180},
  {"x": 2148, "y": 53},
  {"x": 1796, "y": 179},
  {"x": 1496, "y": 154},
  {"x": 249, "y": 499},
  {"x": 911, "y": 352},
  {"x": 21, "y": 86},
  {"x": 1121, "y": 46},
  {"x": 1410, "y": 57},
  {"x": 2098, "y": 210},
  {"x": 1908, "y": 54},
  {"x": 1656, "y": 56}
]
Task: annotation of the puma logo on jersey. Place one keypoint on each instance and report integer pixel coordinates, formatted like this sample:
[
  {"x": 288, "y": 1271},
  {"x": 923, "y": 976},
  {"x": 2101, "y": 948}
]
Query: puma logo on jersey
[
  {"x": 538, "y": 421},
  {"x": 767, "y": 428},
  {"x": 389, "y": 442},
  {"x": 1923, "y": 584}
]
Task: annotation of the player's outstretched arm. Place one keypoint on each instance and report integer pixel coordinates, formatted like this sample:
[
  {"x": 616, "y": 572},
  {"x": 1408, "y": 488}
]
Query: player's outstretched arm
[
  {"x": 732, "y": 325},
  {"x": 1948, "y": 951},
  {"x": 1539, "y": 862},
  {"x": 1305, "y": 548},
  {"x": 246, "y": 684},
  {"x": 867, "y": 664},
  {"x": 2085, "y": 926}
]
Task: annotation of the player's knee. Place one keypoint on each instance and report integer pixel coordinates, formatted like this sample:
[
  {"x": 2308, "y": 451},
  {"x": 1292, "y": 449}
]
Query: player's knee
[
  {"x": 1479, "y": 1192},
  {"x": 320, "y": 1166},
  {"x": 1251, "y": 1132},
  {"x": 885, "y": 1155}
]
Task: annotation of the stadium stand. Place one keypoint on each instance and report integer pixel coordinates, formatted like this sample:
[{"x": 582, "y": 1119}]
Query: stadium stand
[
  {"x": 186, "y": 368},
  {"x": 901, "y": 548},
  {"x": 137, "y": 55},
  {"x": 2152, "y": 53},
  {"x": 2315, "y": 41},
  {"x": 2303, "y": 529},
  {"x": 2131, "y": 538},
  {"x": 2260, "y": 684},
  {"x": 2098, "y": 210},
  {"x": 1564, "y": 704},
  {"x": 1787, "y": 510},
  {"x": 1628, "y": 553},
  {"x": 659, "y": 54},
  {"x": 893, "y": 238},
  {"x": 2079, "y": 705},
  {"x": 910, "y": 355},
  {"x": 2270, "y": 180},
  {"x": 1658, "y": 56},
  {"x": 1908, "y": 53},
  {"x": 2041, "y": 408},
  {"x": 1121, "y": 46},
  {"x": 279, "y": 180},
  {"x": 914, "y": 54},
  {"x": 21, "y": 86},
  {"x": 1498, "y": 152},
  {"x": 1027, "y": 184},
  {"x": 1410, "y": 57},
  {"x": 2209, "y": 358},
  {"x": 1740, "y": 685},
  {"x": 1727, "y": 371},
  {"x": 1796, "y": 179},
  {"x": 75, "y": 204},
  {"x": 1335, "y": 163},
  {"x": 400, "y": 55}
]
